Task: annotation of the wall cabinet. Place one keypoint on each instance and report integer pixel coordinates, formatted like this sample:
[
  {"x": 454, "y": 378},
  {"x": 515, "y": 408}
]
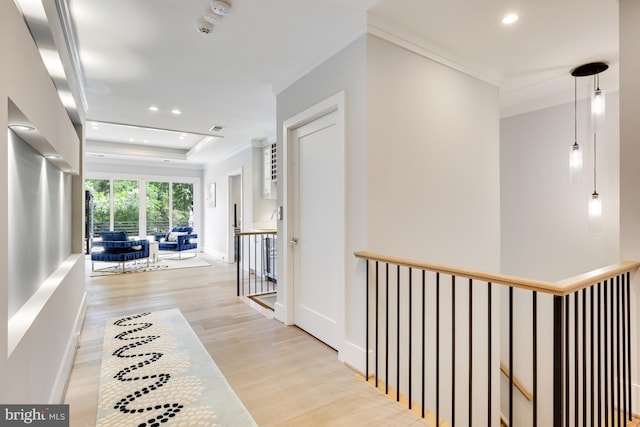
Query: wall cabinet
[{"x": 269, "y": 171}]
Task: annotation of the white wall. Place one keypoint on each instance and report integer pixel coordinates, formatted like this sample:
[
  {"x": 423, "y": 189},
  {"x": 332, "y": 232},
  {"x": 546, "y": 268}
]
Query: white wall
[
  {"x": 40, "y": 215},
  {"x": 140, "y": 168},
  {"x": 218, "y": 219},
  {"x": 433, "y": 161},
  {"x": 410, "y": 168},
  {"x": 37, "y": 343},
  {"x": 546, "y": 233},
  {"x": 545, "y": 223},
  {"x": 434, "y": 193},
  {"x": 345, "y": 71},
  {"x": 629, "y": 170}
]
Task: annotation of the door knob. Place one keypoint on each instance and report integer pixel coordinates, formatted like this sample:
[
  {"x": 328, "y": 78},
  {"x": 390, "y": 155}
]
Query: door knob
[{"x": 294, "y": 241}]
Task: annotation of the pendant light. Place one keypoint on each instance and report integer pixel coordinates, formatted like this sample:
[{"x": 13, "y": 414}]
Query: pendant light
[
  {"x": 597, "y": 98},
  {"x": 597, "y": 111},
  {"x": 575, "y": 158}
]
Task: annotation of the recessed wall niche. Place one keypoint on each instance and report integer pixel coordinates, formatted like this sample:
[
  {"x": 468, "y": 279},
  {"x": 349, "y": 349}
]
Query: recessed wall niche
[{"x": 39, "y": 212}]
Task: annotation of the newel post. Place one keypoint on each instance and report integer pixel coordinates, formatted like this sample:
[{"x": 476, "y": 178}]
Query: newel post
[{"x": 558, "y": 361}]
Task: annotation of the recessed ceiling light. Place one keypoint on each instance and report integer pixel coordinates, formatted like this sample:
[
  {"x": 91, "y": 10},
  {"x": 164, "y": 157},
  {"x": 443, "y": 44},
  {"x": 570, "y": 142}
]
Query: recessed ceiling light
[
  {"x": 131, "y": 140},
  {"x": 509, "y": 18},
  {"x": 94, "y": 127},
  {"x": 52, "y": 156},
  {"x": 153, "y": 108},
  {"x": 146, "y": 141},
  {"x": 176, "y": 112},
  {"x": 22, "y": 127}
]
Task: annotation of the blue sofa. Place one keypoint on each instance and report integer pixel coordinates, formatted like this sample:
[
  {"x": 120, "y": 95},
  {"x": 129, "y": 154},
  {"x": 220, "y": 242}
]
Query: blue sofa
[
  {"x": 116, "y": 247},
  {"x": 179, "y": 239}
]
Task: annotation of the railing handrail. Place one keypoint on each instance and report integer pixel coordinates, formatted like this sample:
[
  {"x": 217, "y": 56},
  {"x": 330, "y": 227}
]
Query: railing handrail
[
  {"x": 255, "y": 233},
  {"x": 561, "y": 288}
]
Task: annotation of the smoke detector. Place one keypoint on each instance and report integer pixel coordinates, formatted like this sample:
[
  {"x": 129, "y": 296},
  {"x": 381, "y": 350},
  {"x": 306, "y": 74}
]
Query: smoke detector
[
  {"x": 220, "y": 7},
  {"x": 204, "y": 27}
]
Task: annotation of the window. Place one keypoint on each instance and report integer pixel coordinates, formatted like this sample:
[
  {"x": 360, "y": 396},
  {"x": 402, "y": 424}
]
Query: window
[
  {"x": 125, "y": 206},
  {"x": 157, "y": 207},
  {"x": 101, "y": 191},
  {"x": 128, "y": 205},
  {"x": 182, "y": 212}
]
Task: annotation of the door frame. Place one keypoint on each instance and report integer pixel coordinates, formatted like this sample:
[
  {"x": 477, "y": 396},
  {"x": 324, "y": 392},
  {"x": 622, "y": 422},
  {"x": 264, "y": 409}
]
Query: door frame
[
  {"x": 284, "y": 308},
  {"x": 230, "y": 233}
]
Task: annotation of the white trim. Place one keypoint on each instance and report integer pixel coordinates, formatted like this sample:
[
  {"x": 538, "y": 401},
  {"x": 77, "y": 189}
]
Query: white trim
[
  {"x": 636, "y": 399},
  {"x": 216, "y": 254},
  {"x": 394, "y": 34},
  {"x": 20, "y": 323},
  {"x": 72, "y": 49},
  {"x": 353, "y": 356},
  {"x": 280, "y": 313},
  {"x": 239, "y": 172},
  {"x": 62, "y": 379},
  {"x": 385, "y": 30},
  {"x": 231, "y": 154},
  {"x": 284, "y": 305}
]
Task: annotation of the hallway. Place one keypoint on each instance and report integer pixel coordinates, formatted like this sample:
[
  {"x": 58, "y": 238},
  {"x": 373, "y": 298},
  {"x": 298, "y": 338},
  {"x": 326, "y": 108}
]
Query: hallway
[{"x": 283, "y": 376}]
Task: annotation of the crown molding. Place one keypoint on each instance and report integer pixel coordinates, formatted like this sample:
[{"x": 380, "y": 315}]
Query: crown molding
[
  {"x": 385, "y": 30},
  {"x": 403, "y": 38}
]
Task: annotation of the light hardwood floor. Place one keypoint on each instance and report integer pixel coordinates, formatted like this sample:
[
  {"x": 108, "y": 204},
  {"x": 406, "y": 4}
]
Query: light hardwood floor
[{"x": 283, "y": 376}]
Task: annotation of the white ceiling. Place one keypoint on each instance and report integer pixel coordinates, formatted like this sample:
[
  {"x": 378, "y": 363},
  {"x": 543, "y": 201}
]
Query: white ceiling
[{"x": 147, "y": 52}]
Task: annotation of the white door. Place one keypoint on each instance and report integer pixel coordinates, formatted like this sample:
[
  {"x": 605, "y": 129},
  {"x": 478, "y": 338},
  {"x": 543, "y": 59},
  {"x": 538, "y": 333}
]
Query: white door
[{"x": 318, "y": 228}]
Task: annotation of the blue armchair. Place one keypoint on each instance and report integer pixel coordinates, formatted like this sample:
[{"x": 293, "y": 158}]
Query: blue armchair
[
  {"x": 116, "y": 247},
  {"x": 177, "y": 240}
]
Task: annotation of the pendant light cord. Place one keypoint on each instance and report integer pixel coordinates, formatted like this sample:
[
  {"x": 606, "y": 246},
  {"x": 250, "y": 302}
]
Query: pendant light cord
[
  {"x": 575, "y": 110},
  {"x": 594, "y": 161},
  {"x": 595, "y": 131}
]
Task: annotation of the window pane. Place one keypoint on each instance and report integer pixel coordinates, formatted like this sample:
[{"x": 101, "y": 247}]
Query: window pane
[
  {"x": 125, "y": 206},
  {"x": 182, "y": 205},
  {"x": 157, "y": 207},
  {"x": 99, "y": 189}
]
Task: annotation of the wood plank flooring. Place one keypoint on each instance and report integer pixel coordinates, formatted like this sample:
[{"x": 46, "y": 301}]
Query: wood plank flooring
[{"x": 283, "y": 376}]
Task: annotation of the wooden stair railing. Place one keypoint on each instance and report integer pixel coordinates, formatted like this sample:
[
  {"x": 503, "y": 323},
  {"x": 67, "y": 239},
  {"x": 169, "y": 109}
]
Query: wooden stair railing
[
  {"x": 393, "y": 318},
  {"x": 527, "y": 394}
]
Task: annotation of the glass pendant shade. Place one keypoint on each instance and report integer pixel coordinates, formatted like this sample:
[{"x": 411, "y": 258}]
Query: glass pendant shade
[
  {"x": 595, "y": 205},
  {"x": 575, "y": 164},
  {"x": 575, "y": 159},
  {"x": 597, "y": 103}
]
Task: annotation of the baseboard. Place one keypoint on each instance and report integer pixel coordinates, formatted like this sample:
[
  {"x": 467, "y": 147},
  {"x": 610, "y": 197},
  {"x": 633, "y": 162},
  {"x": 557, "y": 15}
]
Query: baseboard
[
  {"x": 353, "y": 356},
  {"x": 216, "y": 254},
  {"x": 636, "y": 399},
  {"x": 62, "y": 379},
  {"x": 280, "y": 313}
]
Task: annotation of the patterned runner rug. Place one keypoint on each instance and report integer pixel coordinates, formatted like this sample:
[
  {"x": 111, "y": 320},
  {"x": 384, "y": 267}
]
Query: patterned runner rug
[{"x": 156, "y": 372}]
